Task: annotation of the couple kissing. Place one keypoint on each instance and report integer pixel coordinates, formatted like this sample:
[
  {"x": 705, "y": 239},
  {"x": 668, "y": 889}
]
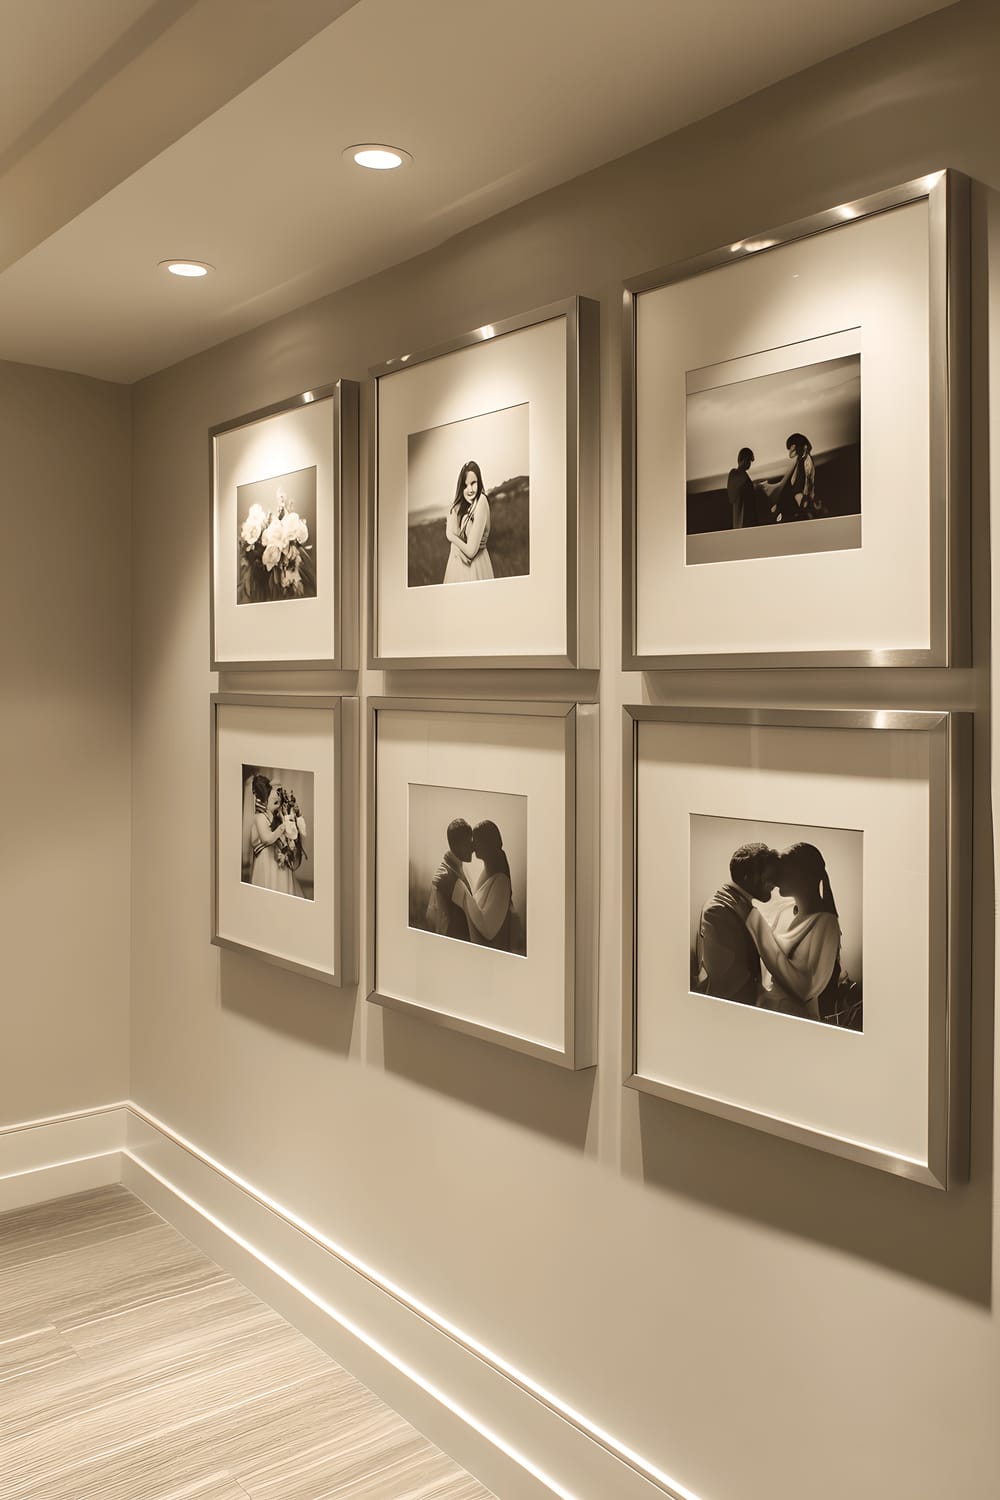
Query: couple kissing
[{"x": 791, "y": 964}]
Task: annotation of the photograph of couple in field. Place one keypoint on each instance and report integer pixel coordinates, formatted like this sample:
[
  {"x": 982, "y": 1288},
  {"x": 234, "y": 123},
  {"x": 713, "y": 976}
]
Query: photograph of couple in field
[
  {"x": 775, "y": 912},
  {"x": 467, "y": 865},
  {"x": 765, "y": 455},
  {"x": 467, "y": 500}
]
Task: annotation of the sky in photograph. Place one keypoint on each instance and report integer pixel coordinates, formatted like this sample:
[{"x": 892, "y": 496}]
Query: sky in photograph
[
  {"x": 299, "y": 488},
  {"x": 497, "y": 440},
  {"x": 822, "y": 401}
]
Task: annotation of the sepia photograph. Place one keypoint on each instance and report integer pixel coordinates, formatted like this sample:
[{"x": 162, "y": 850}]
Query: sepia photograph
[
  {"x": 276, "y": 538},
  {"x": 765, "y": 454},
  {"x": 277, "y": 819},
  {"x": 468, "y": 865},
  {"x": 467, "y": 500},
  {"x": 775, "y": 917}
]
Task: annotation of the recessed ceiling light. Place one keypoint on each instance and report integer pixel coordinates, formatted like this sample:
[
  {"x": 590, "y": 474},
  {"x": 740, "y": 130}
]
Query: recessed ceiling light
[
  {"x": 378, "y": 158},
  {"x": 186, "y": 267}
]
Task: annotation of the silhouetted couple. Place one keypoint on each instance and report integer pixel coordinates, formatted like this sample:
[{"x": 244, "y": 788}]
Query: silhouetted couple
[
  {"x": 800, "y": 954},
  {"x": 790, "y": 498},
  {"x": 483, "y": 915}
]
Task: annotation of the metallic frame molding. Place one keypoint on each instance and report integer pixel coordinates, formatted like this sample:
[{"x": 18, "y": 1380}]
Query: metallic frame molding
[
  {"x": 950, "y": 949},
  {"x": 582, "y": 317},
  {"x": 345, "y": 727},
  {"x": 947, "y": 194},
  {"x": 581, "y": 872},
  {"x": 346, "y": 504}
]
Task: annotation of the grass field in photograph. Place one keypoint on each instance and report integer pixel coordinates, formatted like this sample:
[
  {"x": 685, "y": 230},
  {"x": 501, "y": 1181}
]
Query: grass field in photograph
[{"x": 508, "y": 546}]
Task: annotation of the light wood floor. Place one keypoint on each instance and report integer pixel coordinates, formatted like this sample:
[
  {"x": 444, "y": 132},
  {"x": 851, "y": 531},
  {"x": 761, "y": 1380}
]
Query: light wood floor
[{"x": 132, "y": 1368}]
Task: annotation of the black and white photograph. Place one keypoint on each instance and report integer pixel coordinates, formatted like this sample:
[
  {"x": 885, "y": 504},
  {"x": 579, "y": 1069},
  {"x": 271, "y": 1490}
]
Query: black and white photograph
[
  {"x": 277, "y": 853},
  {"x": 776, "y": 917},
  {"x": 468, "y": 865},
  {"x": 276, "y": 538},
  {"x": 766, "y": 453},
  {"x": 467, "y": 499}
]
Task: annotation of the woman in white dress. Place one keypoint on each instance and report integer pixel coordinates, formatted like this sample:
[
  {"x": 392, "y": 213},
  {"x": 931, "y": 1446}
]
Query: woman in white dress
[
  {"x": 489, "y": 909},
  {"x": 802, "y": 951},
  {"x": 468, "y": 529},
  {"x": 268, "y": 829}
]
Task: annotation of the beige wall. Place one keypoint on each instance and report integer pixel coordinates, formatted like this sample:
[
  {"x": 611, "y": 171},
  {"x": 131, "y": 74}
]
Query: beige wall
[
  {"x": 756, "y": 1319},
  {"x": 65, "y": 665}
]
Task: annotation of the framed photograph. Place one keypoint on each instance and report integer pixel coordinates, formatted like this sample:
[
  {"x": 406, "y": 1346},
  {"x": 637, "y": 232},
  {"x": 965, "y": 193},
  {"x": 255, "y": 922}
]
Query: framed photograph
[
  {"x": 482, "y": 875},
  {"x": 284, "y": 483},
  {"x": 483, "y": 513},
  {"x": 796, "y": 424},
  {"x": 796, "y": 910},
  {"x": 284, "y": 784}
]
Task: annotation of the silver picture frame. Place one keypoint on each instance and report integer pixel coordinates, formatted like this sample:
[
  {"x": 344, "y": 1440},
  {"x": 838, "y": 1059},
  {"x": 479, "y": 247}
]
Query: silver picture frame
[
  {"x": 345, "y": 396},
  {"x": 582, "y": 443},
  {"x": 344, "y": 712},
  {"x": 949, "y": 948},
  {"x": 578, "y": 1048},
  {"x": 948, "y": 302}
]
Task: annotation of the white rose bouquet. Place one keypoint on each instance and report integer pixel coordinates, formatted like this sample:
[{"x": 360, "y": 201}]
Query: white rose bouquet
[{"x": 275, "y": 555}]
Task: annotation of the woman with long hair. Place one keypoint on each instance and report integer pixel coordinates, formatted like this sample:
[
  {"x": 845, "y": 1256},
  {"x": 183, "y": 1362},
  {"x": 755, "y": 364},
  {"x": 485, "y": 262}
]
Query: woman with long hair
[
  {"x": 270, "y": 842},
  {"x": 489, "y": 909},
  {"x": 793, "y": 496},
  {"x": 802, "y": 951},
  {"x": 468, "y": 528}
]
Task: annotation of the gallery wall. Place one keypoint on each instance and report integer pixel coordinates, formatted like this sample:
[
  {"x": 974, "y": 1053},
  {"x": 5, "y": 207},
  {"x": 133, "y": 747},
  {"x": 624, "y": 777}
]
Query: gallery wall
[
  {"x": 751, "y": 1317},
  {"x": 65, "y": 665}
]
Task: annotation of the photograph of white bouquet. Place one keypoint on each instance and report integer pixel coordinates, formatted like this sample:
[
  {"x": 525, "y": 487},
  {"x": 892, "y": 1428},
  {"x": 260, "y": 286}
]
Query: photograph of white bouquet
[{"x": 275, "y": 544}]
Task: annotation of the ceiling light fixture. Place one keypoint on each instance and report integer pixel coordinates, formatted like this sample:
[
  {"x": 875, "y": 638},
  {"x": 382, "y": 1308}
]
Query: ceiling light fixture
[
  {"x": 378, "y": 158},
  {"x": 189, "y": 268}
]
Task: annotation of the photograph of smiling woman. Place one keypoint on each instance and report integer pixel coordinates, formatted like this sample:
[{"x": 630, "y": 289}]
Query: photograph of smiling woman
[{"x": 468, "y": 500}]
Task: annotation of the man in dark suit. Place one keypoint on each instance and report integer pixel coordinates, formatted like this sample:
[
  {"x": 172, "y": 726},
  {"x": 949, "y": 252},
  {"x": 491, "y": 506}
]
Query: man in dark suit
[
  {"x": 741, "y": 491},
  {"x": 727, "y": 956},
  {"x": 447, "y": 917}
]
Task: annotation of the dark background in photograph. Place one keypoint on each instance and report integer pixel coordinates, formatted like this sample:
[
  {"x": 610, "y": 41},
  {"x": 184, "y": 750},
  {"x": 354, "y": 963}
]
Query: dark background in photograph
[
  {"x": 301, "y": 783},
  {"x": 713, "y": 841},
  {"x": 822, "y": 401},
  {"x": 431, "y": 809},
  {"x": 300, "y": 488},
  {"x": 498, "y": 442}
]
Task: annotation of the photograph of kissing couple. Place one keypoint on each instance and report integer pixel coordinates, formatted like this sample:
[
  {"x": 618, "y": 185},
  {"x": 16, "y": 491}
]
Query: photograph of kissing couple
[
  {"x": 767, "y": 929},
  {"x": 467, "y": 854}
]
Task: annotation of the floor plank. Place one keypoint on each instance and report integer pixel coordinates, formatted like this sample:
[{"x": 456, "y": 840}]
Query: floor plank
[{"x": 132, "y": 1368}]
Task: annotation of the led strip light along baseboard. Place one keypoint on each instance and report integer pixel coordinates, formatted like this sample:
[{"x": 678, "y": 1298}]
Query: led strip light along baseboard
[{"x": 597, "y": 1434}]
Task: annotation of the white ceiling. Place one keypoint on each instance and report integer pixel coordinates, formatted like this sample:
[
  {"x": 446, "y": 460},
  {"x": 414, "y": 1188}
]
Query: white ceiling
[{"x": 214, "y": 129}]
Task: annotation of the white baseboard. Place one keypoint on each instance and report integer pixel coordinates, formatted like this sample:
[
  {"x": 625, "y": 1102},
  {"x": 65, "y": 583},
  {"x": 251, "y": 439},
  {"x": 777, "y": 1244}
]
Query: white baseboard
[
  {"x": 63, "y": 1154},
  {"x": 521, "y": 1442}
]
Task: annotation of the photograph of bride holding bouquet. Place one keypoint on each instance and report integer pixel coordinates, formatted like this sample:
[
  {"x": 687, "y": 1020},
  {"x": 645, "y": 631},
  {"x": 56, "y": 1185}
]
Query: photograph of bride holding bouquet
[
  {"x": 767, "y": 929},
  {"x": 277, "y": 817}
]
